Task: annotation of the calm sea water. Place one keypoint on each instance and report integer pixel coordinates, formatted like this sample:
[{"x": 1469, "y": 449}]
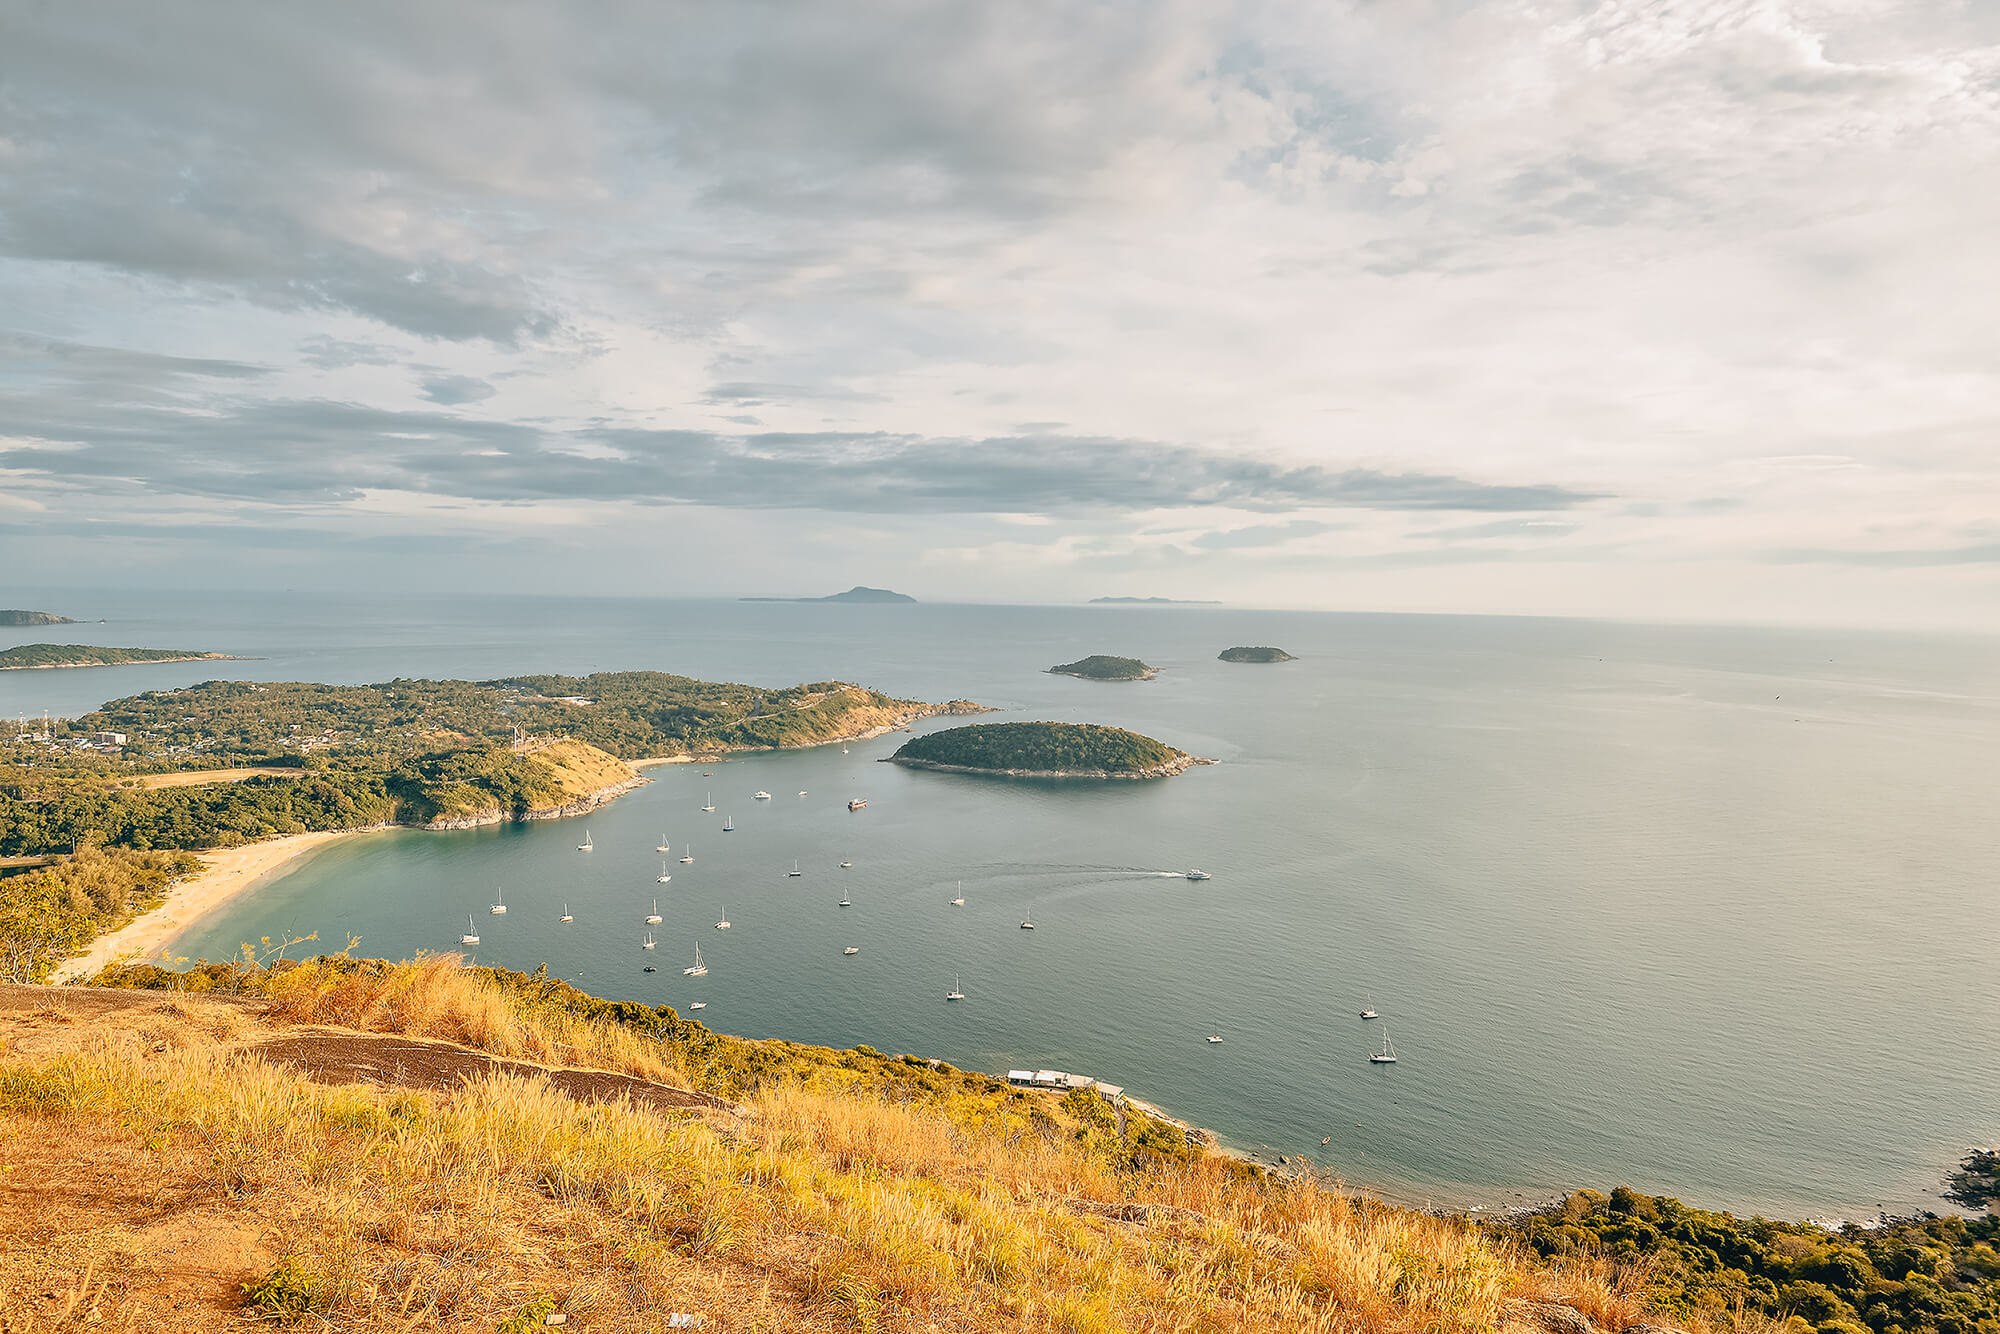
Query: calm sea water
[{"x": 1708, "y": 911}]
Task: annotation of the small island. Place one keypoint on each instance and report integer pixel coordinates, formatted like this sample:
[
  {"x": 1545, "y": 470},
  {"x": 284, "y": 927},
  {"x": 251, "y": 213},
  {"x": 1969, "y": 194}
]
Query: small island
[
  {"x": 33, "y": 618},
  {"x": 1045, "y": 750},
  {"x": 1154, "y": 602},
  {"x": 1264, "y": 653},
  {"x": 1104, "y": 667},
  {"x": 26, "y": 657},
  {"x": 858, "y": 593}
]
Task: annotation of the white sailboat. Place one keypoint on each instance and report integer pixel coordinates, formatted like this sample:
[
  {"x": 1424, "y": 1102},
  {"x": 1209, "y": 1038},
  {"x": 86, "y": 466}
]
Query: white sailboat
[
  {"x": 723, "y": 925},
  {"x": 697, "y": 968},
  {"x": 654, "y": 916},
  {"x": 1028, "y": 923},
  {"x": 650, "y": 944},
  {"x": 794, "y": 873},
  {"x": 728, "y": 825},
  {"x": 566, "y": 916},
  {"x": 665, "y": 875},
  {"x": 499, "y": 907},
  {"x": 1369, "y": 1013},
  {"x": 471, "y": 936},
  {"x": 1386, "y": 1056},
  {"x": 687, "y": 856},
  {"x": 846, "y": 902},
  {"x": 586, "y": 845},
  {"x": 665, "y": 846},
  {"x": 954, "y": 993},
  {"x": 959, "y": 902},
  {"x": 708, "y": 803}
]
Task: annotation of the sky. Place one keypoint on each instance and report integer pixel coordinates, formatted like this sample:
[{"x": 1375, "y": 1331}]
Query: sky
[{"x": 1674, "y": 311}]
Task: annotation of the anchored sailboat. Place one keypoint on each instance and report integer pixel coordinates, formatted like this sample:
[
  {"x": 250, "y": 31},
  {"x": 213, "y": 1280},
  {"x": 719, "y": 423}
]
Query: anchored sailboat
[
  {"x": 795, "y": 872},
  {"x": 654, "y": 916},
  {"x": 723, "y": 925},
  {"x": 665, "y": 875},
  {"x": 665, "y": 846},
  {"x": 1386, "y": 1056},
  {"x": 697, "y": 968},
  {"x": 954, "y": 993},
  {"x": 586, "y": 845},
  {"x": 650, "y": 944},
  {"x": 566, "y": 917},
  {"x": 959, "y": 902},
  {"x": 499, "y": 904},
  {"x": 471, "y": 936},
  {"x": 708, "y": 803}
]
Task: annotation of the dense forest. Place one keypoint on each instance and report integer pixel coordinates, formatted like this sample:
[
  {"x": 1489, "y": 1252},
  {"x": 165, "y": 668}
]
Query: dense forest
[
  {"x": 1105, "y": 667},
  {"x": 92, "y": 655},
  {"x": 49, "y": 914},
  {"x": 1923, "y": 1275},
  {"x": 1253, "y": 653},
  {"x": 1040, "y": 748}
]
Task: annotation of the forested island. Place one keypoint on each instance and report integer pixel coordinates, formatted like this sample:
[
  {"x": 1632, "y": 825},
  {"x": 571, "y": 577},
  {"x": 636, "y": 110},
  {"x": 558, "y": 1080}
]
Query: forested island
[
  {"x": 1104, "y": 667},
  {"x": 18, "y": 617},
  {"x": 1045, "y": 750},
  {"x": 26, "y": 656},
  {"x": 1243, "y": 653},
  {"x": 858, "y": 593}
]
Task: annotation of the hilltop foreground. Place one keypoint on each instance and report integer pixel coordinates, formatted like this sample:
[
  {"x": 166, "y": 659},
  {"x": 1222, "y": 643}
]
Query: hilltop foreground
[{"x": 363, "y": 1146}]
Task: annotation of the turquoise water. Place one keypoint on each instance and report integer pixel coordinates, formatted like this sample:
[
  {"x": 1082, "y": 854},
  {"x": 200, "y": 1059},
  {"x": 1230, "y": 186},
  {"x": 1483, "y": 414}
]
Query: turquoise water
[{"x": 1708, "y": 911}]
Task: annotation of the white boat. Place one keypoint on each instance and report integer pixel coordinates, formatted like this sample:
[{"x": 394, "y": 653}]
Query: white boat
[
  {"x": 1197, "y": 874},
  {"x": 687, "y": 856},
  {"x": 852, "y": 949},
  {"x": 762, "y": 795},
  {"x": 723, "y": 925},
  {"x": 708, "y": 803},
  {"x": 699, "y": 1005},
  {"x": 566, "y": 917},
  {"x": 802, "y": 792},
  {"x": 795, "y": 872},
  {"x": 846, "y": 902},
  {"x": 471, "y": 936},
  {"x": 954, "y": 993},
  {"x": 1215, "y": 1037},
  {"x": 654, "y": 916},
  {"x": 586, "y": 845},
  {"x": 650, "y": 944},
  {"x": 1028, "y": 923},
  {"x": 1369, "y": 1012},
  {"x": 665, "y": 846},
  {"x": 959, "y": 902},
  {"x": 856, "y": 803},
  {"x": 728, "y": 825},
  {"x": 697, "y": 968},
  {"x": 665, "y": 875},
  {"x": 1386, "y": 1056},
  {"x": 499, "y": 907},
  {"x": 847, "y": 866}
]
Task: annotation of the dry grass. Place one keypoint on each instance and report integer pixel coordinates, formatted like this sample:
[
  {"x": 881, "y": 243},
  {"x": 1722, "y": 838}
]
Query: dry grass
[{"x": 823, "y": 1210}]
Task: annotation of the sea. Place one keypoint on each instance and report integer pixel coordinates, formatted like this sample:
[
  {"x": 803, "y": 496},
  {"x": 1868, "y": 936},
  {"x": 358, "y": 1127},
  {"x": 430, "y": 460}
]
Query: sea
[{"x": 1709, "y": 911}]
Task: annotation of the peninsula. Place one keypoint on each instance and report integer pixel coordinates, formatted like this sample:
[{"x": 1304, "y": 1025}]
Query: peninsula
[
  {"x": 1045, "y": 750},
  {"x": 858, "y": 593},
  {"x": 25, "y": 657},
  {"x": 1265, "y": 653},
  {"x": 34, "y": 618},
  {"x": 1104, "y": 667}
]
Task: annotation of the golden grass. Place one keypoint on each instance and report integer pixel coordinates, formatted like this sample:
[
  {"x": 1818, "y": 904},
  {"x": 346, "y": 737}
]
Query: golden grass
[{"x": 826, "y": 1208}]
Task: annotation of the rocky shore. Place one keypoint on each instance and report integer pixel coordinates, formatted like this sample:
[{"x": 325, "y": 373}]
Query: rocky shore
[{"x": 583, "y": 805}]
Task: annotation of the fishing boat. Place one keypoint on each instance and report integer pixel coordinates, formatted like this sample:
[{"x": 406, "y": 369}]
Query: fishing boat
[
  {"x": 697, "y": 968},
  {"x": 586, "y": 845},
  {"x": 795, "y": 872},
  {"x": 762, "y": 795},
  {"x": 565, "y": 917},
  {"x": 665, "y": 875},
  {"x": 1197, "y": 873},
  {"x": 723, "y": 925},
  {"x": 856, "y": 803},
  {"x": 471, "y": 936},
  {"x": 852, "y": 949},
  {"x": 959, "y": 902},
  {"x": 654, "y": 916},
  {"x": 1386, "y": 1056},
  {"x": 954, "y": 993},
  {"x": 499, "y": 907},
  {"x": 650, "y": 944},
  {"x": 664, "y": 845},
  {"x": 708, "y": 803},
  {"x": 687, "y": 856}
]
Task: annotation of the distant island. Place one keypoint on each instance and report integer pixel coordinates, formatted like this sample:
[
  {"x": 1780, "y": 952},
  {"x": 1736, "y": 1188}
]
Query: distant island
[
  {"x": 33, "y": 618},
  {"x": 1104, "y": 667},
  {"x": 25, "y": 657},
  {"x": 1242, "y": 653},
  {"x": 1045, "y": 750},
  {"x": 1155, "y": 602},
  {"x": 858, "y": 593}
]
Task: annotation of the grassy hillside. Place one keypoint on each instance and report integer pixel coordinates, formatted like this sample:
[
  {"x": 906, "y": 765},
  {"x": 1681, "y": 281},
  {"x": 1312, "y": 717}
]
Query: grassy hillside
[
  {"x": 846, "y": 1190},
  {"x": 91, "y": 655},
  {"x": 1104, "y": 667},
  {"x": 1041, "y": 748}
]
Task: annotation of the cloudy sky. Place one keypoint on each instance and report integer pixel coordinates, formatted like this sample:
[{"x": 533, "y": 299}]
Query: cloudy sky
[{"x": 1663, "y": 310}]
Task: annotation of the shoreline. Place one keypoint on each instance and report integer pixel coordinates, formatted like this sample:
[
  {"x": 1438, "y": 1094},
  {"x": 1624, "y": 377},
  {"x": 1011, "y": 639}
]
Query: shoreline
[
  {"x": 225, "y": 874},
  {"x": 135, "y": 662}
]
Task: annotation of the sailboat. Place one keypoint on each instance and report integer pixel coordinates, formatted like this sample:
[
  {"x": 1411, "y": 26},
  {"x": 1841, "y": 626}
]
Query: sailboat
[
  {"x": 665, "y": 846},
  {"x": 954, "y": 993},
  {"x": 794, "y": 873},
  {"x": 723, "y": 925},
  {"x": 959, "y": 902},
  {"x": 650, "y": 944},
  {"x": 655, "y": 915},
  {"x": 499, "y": 907},
  {"x": 1386, "y": 1056},
  {"x": 665, "y": 875},
  {"x": 1028, "y": 923},
  {"x": 687, "y": 856},
  {"x": 1369, "y": 1013},
  {"x": 697, "y": 968},
  {"x": 728, "y": 825},
  {"x": 471, "y": 936},
  {"x": 846, "y": 902},
  {"x": 708, "y": 803},
  {"x": 852, "y": 949},
  {"x": 566, "y": 917},
  {"x": 586, "y": 845}
]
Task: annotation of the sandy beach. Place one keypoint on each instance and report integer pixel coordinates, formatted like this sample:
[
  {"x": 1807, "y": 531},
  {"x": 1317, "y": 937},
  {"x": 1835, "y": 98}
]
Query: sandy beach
[{"x": 226, "y": 872}]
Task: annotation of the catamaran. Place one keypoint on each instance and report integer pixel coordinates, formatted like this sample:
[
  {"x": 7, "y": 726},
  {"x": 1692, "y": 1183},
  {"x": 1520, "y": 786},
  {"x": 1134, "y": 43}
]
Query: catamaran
[
  {"x": 650, "y": 944},
  {"x": 665, "y": 875},
  {"x": 959, "y": 902},
  {"x": 586, "y": 845},
  {"x": 697, "y": 968},
  {"x": 954, "y": 993},
  {"x": 795, "y": 872},
  {"x": 471, "y": 936},
  {"x": 723, "y": 925},
  {"x": 499, "y": 904},
  {"x": 565, "y": 917},
  {"x": 1386, "y": 1056},
  {"x": 653, "y": 916}
]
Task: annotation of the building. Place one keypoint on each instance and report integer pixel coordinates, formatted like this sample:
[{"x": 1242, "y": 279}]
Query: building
[{"x": 105, "y": 738}]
